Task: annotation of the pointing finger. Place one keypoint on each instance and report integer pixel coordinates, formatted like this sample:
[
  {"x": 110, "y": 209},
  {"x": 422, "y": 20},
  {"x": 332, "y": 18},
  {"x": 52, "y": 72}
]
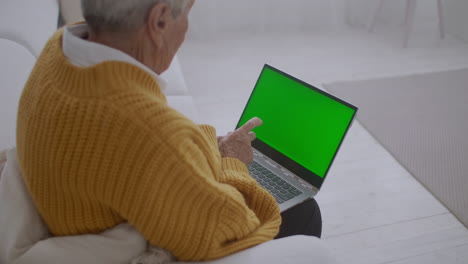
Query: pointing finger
[{"x": 250, "y": 125}]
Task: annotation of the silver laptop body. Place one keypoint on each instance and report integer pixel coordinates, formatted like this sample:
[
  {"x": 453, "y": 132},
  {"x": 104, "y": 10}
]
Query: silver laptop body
[
  {"x": 290, "y": 182},
  {"x": 306, "y": 190}
]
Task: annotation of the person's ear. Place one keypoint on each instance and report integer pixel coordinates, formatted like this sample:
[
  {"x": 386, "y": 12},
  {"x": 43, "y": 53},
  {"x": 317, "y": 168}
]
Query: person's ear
[{"x": 157, "y": 22}]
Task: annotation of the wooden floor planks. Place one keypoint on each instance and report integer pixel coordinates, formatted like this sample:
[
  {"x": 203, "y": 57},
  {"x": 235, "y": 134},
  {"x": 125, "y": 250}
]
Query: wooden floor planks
[
  {"x": 400, "y": 240},
  {"x": 455, "y": 255}
]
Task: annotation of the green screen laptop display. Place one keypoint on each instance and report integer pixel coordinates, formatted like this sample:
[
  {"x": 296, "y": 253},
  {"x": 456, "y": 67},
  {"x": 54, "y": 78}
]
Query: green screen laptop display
[{"x": 302, "y": 125}]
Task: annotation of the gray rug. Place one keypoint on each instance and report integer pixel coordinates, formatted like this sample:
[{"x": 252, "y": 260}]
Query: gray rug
[{"x": 423, "y": 121}]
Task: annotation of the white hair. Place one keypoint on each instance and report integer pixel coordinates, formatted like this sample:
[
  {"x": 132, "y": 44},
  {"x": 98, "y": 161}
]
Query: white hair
[{"x": 123, "y": 15}]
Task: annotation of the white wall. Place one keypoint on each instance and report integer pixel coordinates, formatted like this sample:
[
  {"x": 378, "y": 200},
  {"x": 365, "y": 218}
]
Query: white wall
[{"x": 456, "y": 17}]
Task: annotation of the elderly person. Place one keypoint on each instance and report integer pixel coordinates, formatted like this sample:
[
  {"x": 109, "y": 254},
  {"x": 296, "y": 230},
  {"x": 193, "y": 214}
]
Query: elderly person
[{"x": 98, "y": 144}]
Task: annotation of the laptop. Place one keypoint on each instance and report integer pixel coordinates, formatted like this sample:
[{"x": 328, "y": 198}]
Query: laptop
[{"x": 303, "y": 128}]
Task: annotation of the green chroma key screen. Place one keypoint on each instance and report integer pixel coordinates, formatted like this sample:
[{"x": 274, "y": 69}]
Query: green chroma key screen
[{"x": 299, "y": 121}]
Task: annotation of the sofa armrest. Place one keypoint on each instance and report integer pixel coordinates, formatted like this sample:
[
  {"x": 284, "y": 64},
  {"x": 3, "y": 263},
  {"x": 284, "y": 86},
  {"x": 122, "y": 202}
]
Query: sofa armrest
[
  {"x": 15, "y": 66},
  {"x": 3, "y": 158},
  {"x": 175, "y": 79},
  {"x": 295, "y": 249},
  {"x": 185, "y": 106}
]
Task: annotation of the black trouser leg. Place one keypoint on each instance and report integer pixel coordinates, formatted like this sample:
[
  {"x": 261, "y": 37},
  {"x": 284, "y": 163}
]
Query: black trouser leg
[{"x": 304, "y": 219}]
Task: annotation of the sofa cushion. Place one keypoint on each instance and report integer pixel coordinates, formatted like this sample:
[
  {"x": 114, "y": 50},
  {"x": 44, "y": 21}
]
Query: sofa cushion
[
  {"x": 185, "y": 105},
  {"x": 177, "y": 93},
  {"x": 175, "y": 79},
  {"x": 28, "y": 22},
  {"x": 15, "y": 66},
  {"x": 71, "y": 11}
]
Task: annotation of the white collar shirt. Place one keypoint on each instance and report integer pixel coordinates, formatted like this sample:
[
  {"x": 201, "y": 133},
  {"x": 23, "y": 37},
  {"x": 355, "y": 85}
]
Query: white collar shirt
[{"x": 83, "y": 53}]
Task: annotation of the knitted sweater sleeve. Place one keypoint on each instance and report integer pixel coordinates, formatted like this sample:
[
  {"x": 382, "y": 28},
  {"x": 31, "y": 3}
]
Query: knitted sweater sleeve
[
  {"x": 235, "y": 173},
  {"x": 182, "y": 196}
]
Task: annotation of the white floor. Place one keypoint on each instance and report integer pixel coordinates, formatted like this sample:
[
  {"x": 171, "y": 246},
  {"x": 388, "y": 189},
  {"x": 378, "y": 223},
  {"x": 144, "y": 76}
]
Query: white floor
[{"x": 373, "y": 210}]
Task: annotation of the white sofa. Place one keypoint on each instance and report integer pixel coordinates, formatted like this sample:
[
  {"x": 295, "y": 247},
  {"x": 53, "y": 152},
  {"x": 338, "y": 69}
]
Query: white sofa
[{"x": 25, "y": 26}]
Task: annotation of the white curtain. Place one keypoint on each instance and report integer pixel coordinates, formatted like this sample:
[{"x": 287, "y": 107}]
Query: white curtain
[
  {"x": 258, "y": 16},
  {"x": 359, "y": 12},
  {"x": 211, "y": 16}
]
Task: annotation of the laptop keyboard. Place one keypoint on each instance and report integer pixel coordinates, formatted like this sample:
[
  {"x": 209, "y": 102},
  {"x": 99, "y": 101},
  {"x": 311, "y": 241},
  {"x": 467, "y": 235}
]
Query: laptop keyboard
[{"x": 279, "y": 188}]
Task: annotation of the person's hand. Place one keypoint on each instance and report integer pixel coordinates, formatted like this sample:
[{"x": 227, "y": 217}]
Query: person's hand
[{"x": 237, "y": 144}]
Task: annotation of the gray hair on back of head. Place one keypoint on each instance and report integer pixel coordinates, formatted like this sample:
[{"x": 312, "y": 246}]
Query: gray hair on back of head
[{"x": 123, "y": 15}]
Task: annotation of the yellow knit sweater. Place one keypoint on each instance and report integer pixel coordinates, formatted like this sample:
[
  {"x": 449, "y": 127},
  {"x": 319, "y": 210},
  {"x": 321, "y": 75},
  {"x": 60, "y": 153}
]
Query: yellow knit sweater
[{"x": 99, "y": 146}]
